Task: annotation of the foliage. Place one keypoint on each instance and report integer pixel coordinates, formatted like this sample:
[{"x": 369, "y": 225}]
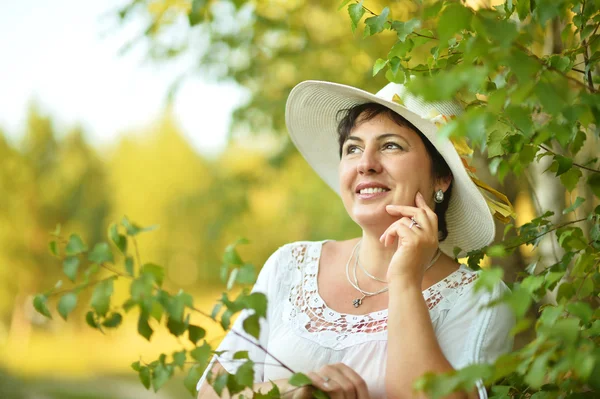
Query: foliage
[{"x": 527, "y": 73}]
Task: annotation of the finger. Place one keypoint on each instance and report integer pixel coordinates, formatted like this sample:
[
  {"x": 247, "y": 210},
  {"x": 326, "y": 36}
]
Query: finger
[
  {"x": 425, "y": 219},
  {"x": 359, "y": 383},
  {"x": 320, "y": 383},
  {"x": 340, "y": 382},
  {"x": 413, "y": 225}
]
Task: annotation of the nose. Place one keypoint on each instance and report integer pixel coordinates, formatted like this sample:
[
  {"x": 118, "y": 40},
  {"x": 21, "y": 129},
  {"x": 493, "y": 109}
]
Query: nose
[{"x": 369, "y": 163}]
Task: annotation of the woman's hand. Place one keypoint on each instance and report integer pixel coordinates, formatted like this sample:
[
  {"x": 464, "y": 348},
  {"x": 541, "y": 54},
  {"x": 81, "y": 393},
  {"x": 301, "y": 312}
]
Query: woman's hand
[
  {"x": 416, "y": 244},
  {"x": 338, "y": 380}
]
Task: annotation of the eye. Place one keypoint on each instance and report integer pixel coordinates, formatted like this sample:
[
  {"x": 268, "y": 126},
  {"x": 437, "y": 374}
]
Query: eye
[
  {"x": 352, "y": 149},
  {"x": 392, "y": 146}
]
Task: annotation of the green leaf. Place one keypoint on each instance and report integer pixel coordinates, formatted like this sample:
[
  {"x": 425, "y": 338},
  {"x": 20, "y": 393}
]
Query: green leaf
[
  {"x": 201, "y": 353},
  {"x": 101, "y": 253},
  {"x": 39, "y": 303},
  {"x": 245, "y": 374},
  {"x": 577, "y": 143},
  {"x": 196, "y": 16},
  {"x": 299, "y": 380},
  {"x": 53, "y": 247},
  {"x": 551, "y": 100},
  {"x": 252, "y": 326},
  {"x": 377, "y": 23},
  {"x": 101, "y": 296},
  {"x": 521, "y": 117},
  {"x": 195, "y": 333},
  {"x": 144, "y": 374},
  {"x": 454, "y": 18},
  {"x": 523, "y": 66},
  {"x": 537, "y": 371},
  {"x": 343, "y": 4},
  {"x": 582, "y": 310},
  {"x": 356, "y": 12},
  {"x": 246, "y": 274},
  {"x": 523, "y": 9},
  {"x": 494, "y": 143},
  {"x": 570, "y": 178},
  {"x": 70, "y": 267},
  {"x": 576, "y": 204},
  {"x": 256, "y": 301},
  {"x": 66, "y": 304},
  {"x": 90, "y": 319},
  {"x": 129, "y": 265},
  {"x": 594, "y": 182},
  {"x": 133, "y": 229},
  {"x": 118, "y": 239},
  {"x": 564, "y": 164},
  {"x": 220, "y": 383},
  {"x": 403, "y": 29},
  {"x": 519, "y": 301},
  {"x": 144, "y": 328},
  {"x": 75, "y": 245},
  {"x": 113, "y": 321},
  {"x": 179, "y": 359},
  {"x": 156, "y": 272},
  {"x": 232, "y": 257},
  {"x": 241, "y": 355},
  {"x": 176, "y": 327},
  {"x": 160, "y": 375},
  {"x": 191, "y": 379},
  {"x": 488, "y": 279},
  {"x": 379, "y": 65}
]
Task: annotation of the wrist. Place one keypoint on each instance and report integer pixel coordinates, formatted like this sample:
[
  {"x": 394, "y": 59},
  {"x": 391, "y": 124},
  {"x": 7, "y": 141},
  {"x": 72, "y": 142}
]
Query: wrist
[{"x": 403, "y": 283}]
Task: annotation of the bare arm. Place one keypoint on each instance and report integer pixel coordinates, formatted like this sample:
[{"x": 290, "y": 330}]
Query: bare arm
[
  {"x": 207, "y": 392},
  {"x": 418, "y": 351}
]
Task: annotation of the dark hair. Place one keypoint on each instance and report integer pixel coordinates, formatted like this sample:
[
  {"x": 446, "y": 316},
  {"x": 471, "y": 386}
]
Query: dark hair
[{"x": 439, "y": 168}]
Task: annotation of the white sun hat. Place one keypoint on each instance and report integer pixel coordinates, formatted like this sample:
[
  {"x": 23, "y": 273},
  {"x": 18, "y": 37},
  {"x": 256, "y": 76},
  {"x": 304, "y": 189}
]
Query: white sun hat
[{"x": 312, "y": 116}]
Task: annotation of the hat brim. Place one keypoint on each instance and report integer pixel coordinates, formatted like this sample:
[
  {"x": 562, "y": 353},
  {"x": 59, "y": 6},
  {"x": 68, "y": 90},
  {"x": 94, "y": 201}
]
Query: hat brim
[{"x": 312, "y": 115}]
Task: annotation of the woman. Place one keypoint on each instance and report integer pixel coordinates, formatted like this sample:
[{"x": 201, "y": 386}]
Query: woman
[{"x": 364, "y": 318}]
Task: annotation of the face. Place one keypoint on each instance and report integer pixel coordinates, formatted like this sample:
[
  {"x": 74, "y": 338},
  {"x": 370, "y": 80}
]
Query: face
[{"x": 383, "y": 163}]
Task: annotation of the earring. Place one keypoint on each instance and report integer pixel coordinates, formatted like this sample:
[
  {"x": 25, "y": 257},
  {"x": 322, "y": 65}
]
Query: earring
[{"x": 439, "y": 196}]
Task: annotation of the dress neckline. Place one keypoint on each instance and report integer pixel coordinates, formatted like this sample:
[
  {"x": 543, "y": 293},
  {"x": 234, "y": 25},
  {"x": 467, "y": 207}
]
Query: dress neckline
[{"x": 379, "y": 313}]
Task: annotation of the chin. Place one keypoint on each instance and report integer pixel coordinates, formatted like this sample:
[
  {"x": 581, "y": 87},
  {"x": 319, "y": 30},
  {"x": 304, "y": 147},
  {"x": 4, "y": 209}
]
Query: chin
[{"x": 372, "y": 217}]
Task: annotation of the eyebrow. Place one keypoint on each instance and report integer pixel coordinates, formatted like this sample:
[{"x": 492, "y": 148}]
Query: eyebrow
[{"x": 379, "y": 138}]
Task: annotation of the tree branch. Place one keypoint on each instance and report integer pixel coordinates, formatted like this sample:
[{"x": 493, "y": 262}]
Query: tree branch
[
  {"x": 541, "y": 62},
  {"x": 546, "y": 232},
  {"x": 575, "y": 164}
]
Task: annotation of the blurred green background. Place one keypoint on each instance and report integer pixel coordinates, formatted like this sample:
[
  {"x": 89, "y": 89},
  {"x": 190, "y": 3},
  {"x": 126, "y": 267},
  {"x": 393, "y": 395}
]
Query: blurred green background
[{"x": 86, "y": 170}]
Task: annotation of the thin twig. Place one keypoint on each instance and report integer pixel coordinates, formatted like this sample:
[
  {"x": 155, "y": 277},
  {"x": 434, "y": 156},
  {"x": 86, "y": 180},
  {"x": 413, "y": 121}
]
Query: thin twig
[
  {"x": 593, "y": 269},
  {"x": 110, "y": 269},
  {"x": 541, "y": 62},
  {"x": 586, "y": 57},
  {"x": 258, "y": 345},
  {"x": 576, "y": 164},
  {"x": 85, "y": 285},
  {"x": 546, "y": 232},
  {"x": 137, "y": 251}
]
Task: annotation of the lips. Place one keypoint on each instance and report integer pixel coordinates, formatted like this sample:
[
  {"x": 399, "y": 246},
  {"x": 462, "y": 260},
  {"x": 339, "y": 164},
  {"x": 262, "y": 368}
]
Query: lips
[{"x": 371, "y": 188}]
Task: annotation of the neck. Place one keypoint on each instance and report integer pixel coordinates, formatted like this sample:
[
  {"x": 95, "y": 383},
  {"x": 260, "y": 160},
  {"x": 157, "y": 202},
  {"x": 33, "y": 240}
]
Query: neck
[{"x": 374, "y": 256}]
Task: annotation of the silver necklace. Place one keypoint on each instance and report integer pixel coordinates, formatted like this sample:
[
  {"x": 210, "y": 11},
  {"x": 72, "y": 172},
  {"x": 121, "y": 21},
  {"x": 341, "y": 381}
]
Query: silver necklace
[{"x": 358, "y": 301}]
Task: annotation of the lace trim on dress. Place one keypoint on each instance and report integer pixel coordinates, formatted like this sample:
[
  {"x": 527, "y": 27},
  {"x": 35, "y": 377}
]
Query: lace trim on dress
[{"x": 311, "y": 318}]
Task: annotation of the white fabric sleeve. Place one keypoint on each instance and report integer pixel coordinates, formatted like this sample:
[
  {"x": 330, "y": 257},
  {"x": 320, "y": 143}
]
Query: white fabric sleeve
[
  {"x": 266, "y": 284},
  {"x": 473, "y": 333}
]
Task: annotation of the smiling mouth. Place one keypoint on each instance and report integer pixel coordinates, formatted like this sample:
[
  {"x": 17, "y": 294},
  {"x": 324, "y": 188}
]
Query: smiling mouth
[{"x": 373, "y": 190}]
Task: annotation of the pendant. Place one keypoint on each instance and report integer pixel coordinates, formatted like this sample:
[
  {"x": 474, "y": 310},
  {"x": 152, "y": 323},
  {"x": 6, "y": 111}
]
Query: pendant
[{"x": 357, "y": 302}]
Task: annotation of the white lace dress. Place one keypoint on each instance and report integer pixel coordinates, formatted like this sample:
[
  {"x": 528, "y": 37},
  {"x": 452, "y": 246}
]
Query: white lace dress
[{"x": 305, "y": 334}]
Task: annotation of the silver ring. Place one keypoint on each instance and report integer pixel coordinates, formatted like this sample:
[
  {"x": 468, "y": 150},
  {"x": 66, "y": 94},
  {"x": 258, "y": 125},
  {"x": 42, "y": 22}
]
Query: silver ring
[
  {"x": 413, "y": 223},
  {"x": 326, "y": 379}
]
